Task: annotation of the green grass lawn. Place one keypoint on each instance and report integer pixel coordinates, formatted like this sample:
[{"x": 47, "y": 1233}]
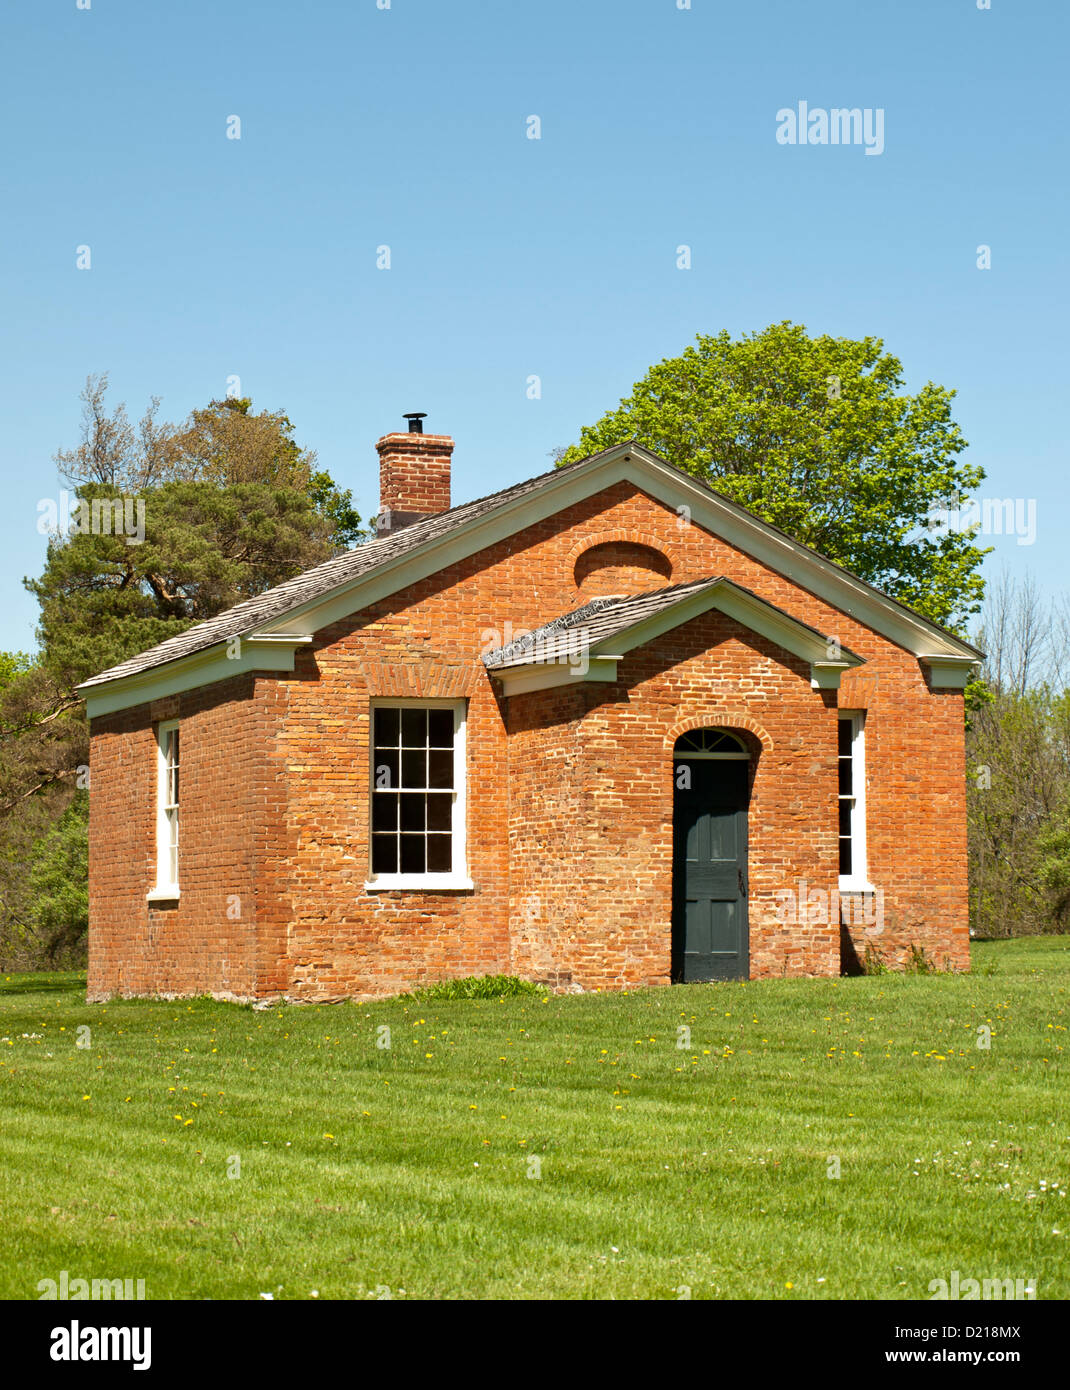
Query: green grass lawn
[{"x": 663, "y": 1167}]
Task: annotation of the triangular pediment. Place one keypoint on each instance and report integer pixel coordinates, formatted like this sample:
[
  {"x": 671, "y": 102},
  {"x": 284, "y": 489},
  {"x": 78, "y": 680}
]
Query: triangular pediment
[
  {"x": 290, "y": 614},
  {"x": 588, "y": 643}
]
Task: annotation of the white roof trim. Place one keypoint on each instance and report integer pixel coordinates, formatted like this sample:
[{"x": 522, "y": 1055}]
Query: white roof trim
[
  {"x": 598, "y": 661},
  {"x": 623, "y": 463},
  {"x": 517, "y": 680},
  {"x": 205, "y": 667},
  {"x": 634, "y": 464},
  {"x": 950, "y": 672}
]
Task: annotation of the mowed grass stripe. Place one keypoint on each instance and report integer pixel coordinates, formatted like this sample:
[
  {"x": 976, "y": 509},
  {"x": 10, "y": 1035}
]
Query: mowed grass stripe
[{"x": 701, "y": 1166}]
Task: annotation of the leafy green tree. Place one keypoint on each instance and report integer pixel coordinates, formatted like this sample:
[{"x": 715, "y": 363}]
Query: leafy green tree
[
  {"x": 59, "y": 885},
  {"x": 225, "y": 443},
  {"x": 1053, "y": 849},
  {"x": 335, "y": 505},
  {"x": 42, "y": 734},
  {"x": 818, "y": 437},
  {"x": 173, "y": 524},
  {"x": 106, "y": 596},
  {"x": 231, "y": 506},
  {"x": 1018, "y": 762},
  {"x": 13, "y": 664},
  {"x": 228, "y": 444}
]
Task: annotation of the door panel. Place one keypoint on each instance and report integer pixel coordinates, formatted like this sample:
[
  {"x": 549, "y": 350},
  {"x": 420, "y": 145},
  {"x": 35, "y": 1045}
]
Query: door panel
[{"x": 710, "y": 936}]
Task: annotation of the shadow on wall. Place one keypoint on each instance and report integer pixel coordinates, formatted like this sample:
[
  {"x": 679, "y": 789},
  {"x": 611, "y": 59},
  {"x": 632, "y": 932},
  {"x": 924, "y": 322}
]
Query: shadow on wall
[
  {"x": 621, "y": 567},
  {"x": 849, "y": 961}
]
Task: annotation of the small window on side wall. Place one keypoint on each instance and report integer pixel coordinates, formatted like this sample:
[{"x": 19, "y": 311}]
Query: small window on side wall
[
  {"x": 167, "y": 810},
  {"x": 417, "y": 795},
  {"x": 852, "y": 801}
]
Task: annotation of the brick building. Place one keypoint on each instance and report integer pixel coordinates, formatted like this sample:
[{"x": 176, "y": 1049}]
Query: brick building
[{"x": 604, "y": 728}]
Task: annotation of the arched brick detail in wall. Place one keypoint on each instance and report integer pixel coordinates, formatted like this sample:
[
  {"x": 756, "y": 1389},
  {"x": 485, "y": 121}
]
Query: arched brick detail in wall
[
  {"x": 719, "y": 719},
  {"x": 424, "y": 680},
  {"x": 631, "y": 537},
  {"x": 630, "y": 562}
]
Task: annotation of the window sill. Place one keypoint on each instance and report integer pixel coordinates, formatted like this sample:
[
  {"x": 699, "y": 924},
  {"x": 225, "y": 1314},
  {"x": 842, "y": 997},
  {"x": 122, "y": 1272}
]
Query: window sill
[
  {"x": 162, "y": 895},
  {"x": 855, "y": 885},
  {"x": 419, "y": 883}
]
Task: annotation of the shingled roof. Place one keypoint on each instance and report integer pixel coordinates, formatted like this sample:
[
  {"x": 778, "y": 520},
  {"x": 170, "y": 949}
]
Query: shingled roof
[
  {"x": 602, "y": 619},
  {"x": 585, "y": 627},
  {"x": 304, "y": 589},
  {"x": 247, "y": 616}
]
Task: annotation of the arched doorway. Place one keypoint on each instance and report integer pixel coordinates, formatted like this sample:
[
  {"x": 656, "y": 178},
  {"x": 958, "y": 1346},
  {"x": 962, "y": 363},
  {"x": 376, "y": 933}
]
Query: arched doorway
[{"x": 711, "y": 793}]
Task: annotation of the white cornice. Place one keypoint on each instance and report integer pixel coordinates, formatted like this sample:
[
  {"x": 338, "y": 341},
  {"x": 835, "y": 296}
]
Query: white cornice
[
  {"x": 274, "y": 653},
  {"x": 950, "y": 672},
  {"x": 546, "y": 675},
  {"x": 631, "y": 463},
  {"x": 746, "y": 608},
  {"x": 624, "y": 463}
]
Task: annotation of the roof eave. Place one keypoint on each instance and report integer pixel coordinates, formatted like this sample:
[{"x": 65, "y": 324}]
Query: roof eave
[
  {"x": 806, "y": 567},
  {"x": 827, "y": 660},
  {"x": 221, "y": 661}
]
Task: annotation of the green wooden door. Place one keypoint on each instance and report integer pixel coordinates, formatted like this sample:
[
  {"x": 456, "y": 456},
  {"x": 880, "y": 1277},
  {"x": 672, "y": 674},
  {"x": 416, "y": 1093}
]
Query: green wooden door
[{"x": 709, "y": 928}]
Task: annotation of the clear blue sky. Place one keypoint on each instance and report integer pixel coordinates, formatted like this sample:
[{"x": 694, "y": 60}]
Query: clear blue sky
[{"x": 510, "y": 257}]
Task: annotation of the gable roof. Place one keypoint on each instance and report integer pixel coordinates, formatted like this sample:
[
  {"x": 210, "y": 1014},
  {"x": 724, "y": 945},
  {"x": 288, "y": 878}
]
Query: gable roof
[
  {"x": 291, "y": 612},
  {"x": 591, "y": 639},
  {"x": 601, "y": 619},
  {"x": 323, "y": 579},
  {"x": 583, "y": 627}
]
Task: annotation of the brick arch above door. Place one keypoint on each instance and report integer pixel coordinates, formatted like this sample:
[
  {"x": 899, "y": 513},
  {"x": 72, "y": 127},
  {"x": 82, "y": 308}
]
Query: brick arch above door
[{"x": 732, "y": 720}]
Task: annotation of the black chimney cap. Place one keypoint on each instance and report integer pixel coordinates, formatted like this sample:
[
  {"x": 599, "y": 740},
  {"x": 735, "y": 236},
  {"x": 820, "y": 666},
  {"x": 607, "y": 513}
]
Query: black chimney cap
[{"x": 416, "y": 419}]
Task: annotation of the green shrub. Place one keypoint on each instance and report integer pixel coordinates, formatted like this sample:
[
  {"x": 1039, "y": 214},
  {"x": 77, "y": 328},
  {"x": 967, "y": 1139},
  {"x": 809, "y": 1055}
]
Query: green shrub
[
  {"x": 873, "y": 962},
  {"x": 476, "y": 987},
  {"x": 919, "y": 962}
]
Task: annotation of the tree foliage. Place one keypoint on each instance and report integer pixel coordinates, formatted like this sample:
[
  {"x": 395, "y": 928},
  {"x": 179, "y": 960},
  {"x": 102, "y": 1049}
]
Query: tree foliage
[
  {"x": 1018, "y": 764},
  {"x": 104, "y": 597},
  {"x": 42, "y": 735},
  {"x": 818, "y": 437},
  {"x": 230, "y": 505},
  {"x": 59, "y": 884}
]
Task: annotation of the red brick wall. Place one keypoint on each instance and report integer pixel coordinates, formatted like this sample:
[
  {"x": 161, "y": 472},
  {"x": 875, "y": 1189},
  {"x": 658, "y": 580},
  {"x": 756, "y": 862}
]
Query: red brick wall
[
  {"x": 592, "y": 880},
  {"x": 230, "y": 808},
  {"x": 343, "y": 939},
  {"x": 915, "y": 810},
  {"x": 620, "y": 567},
  {"x": 546, "y": 772}
]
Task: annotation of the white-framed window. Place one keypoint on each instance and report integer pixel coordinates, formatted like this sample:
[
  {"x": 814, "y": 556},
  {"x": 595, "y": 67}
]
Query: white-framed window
[
  {"x": 854, "y": 874},
  {"x": 167, "y": 812},
  {"x": 417, "y": 794}
]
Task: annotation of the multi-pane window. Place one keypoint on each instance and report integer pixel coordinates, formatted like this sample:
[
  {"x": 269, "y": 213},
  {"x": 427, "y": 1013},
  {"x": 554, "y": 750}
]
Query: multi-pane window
[
  {"x": 417, "y": 773},
  {"x": 167, "y": 808},
  {"x": 710, "y": 742},
  {"x": 852, "y": 789}
]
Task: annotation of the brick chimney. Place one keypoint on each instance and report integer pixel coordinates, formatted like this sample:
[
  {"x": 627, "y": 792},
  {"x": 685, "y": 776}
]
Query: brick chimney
[{"x": 414, "y": 476}]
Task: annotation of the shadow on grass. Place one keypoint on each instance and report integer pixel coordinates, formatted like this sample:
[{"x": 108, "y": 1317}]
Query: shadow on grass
[{"x": 42, "y": 982}]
